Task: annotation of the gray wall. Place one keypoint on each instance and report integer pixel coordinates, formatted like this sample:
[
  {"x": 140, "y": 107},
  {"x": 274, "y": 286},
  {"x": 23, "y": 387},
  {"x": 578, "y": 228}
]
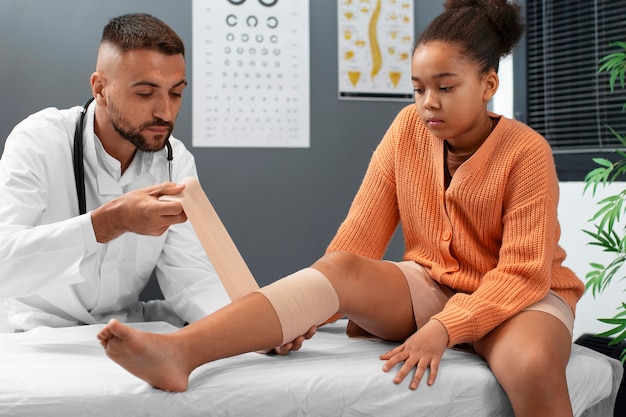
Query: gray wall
[{"x": 281, "y": 206}]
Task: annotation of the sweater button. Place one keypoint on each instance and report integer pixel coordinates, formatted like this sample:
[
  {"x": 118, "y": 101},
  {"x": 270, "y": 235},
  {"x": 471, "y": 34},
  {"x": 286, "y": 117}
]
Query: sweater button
[{"x": 446, "y": 235}]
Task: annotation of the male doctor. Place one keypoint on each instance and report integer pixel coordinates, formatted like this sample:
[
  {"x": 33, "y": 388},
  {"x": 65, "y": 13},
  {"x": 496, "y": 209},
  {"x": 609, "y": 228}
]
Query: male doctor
[{"x": 61, "y": 268}]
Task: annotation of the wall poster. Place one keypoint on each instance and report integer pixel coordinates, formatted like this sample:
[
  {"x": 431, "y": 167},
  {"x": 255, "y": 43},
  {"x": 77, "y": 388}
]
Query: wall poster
[
  {"x": 375, "y": 42},
  {"x": 251, "y": 73}
]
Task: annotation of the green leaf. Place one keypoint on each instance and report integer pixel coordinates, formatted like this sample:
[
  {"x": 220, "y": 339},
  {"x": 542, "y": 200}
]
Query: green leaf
[
  {"x": 619, "y": 44},
  {"x": 622, "y": 138},
  {"x": 620, "y": 322},
  {"x": 599, "y": 175},
  {"x": 603, "y": 162},
  {"x": 615, "y": 64},
  {"x": 610, "y": 333}
]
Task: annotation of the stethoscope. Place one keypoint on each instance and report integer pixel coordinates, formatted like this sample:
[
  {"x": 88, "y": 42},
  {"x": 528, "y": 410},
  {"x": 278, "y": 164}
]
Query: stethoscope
[{"x": 79, "y": 165}]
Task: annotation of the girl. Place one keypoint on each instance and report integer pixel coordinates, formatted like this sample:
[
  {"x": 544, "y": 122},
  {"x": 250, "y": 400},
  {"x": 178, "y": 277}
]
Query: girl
[{"x": 476, "y": 195}]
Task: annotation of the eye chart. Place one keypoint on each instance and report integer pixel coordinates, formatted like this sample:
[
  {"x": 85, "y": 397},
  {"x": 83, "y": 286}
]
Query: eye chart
[
  {"x": 375, "y": 42},
  {"x": 251, "y": 73}
]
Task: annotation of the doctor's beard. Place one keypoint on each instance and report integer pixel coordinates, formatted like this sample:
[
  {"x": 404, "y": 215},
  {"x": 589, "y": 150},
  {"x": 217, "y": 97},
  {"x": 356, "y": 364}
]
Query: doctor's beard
[{"x": 124, "y": 128}]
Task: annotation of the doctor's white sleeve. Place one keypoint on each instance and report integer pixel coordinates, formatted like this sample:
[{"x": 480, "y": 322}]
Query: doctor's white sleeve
[{"x": 42, "y": 240}]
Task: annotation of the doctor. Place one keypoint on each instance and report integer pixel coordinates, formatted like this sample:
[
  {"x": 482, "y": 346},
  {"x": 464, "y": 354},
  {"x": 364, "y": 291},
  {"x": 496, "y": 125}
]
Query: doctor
[{"x": 59, "y": 267}]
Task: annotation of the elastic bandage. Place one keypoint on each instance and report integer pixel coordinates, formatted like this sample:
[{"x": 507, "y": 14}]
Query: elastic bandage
[{"x": 301, "y": 300}]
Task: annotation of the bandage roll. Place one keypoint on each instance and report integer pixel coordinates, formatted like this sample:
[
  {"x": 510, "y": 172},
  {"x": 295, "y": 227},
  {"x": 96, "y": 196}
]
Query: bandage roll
[{"x": 303, "y": 299}]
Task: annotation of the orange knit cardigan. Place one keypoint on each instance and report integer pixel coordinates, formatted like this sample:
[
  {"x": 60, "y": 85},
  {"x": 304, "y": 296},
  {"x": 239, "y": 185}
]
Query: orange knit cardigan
[{"x": 492, "y": 235}]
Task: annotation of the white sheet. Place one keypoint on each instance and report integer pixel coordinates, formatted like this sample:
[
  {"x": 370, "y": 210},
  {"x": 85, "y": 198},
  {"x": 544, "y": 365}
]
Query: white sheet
[{"x": 65, "y": 372}]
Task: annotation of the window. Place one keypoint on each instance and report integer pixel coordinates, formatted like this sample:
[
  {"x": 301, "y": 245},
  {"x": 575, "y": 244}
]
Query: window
[{"x": 566, "y": 99}]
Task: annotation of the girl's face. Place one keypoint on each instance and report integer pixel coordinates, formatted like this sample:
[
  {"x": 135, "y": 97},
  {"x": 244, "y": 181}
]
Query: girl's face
[{"x": 451, "y": 95}]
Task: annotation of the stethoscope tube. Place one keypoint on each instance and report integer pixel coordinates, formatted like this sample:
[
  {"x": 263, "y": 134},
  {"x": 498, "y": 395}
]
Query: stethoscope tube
[{"x": 79, "y": 165}]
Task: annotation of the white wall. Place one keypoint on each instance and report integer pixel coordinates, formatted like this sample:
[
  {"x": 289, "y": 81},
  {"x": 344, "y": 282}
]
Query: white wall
[
  {"x": 575, "y": 210},
  {"x": 502, "y": 102}
]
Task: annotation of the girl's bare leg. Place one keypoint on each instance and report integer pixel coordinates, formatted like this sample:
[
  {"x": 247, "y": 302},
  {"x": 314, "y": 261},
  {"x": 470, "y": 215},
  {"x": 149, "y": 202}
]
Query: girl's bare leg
[
  {"x": 373, "y": 293},
  {"x": 166, "y": 360},
  {"x": 528, "y": 355}
]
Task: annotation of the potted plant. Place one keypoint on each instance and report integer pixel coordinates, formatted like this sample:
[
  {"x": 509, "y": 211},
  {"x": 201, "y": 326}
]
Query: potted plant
[{"x": 609, "y": 233}]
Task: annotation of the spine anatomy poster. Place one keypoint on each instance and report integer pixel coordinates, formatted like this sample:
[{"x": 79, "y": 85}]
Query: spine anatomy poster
[
  {"x": 251, "y": 73},
  {"x": 375, "y": 42}
]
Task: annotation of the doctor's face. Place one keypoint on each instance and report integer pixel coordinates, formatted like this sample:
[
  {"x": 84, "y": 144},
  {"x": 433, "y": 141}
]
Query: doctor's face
[{"x": 143, "y": 91}]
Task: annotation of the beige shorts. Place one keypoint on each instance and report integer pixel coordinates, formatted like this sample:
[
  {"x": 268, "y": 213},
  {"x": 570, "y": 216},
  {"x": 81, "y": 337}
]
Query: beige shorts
[{"x": 429, "y": 297}]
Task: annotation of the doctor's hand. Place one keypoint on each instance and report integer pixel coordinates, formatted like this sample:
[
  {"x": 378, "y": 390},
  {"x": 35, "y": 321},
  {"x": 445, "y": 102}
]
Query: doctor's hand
[
  {"x": 422, "y": 350},
  {"x": 295, "y": 344},
  {"x": 138, "y": 211}
]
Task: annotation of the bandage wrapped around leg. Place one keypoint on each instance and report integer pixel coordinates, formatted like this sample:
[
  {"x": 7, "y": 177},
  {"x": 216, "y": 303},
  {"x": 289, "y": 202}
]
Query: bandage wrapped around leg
[{"x": 301, "y": 300}]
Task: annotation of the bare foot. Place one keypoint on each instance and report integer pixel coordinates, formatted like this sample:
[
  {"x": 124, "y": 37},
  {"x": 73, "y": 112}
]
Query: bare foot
[{"x": 151, "y": 357}]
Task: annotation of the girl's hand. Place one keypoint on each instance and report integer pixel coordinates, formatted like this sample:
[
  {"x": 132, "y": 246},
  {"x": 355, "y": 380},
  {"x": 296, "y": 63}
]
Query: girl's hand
[{"x": 422, "y": 350}]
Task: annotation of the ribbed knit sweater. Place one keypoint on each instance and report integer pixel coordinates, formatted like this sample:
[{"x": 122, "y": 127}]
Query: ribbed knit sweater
[{"x": 492, "y": 235}]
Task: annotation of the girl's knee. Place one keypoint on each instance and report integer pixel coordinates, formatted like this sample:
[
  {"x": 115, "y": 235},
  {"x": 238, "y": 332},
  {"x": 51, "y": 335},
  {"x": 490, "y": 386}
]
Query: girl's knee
[
  {"x": 530, "y": 369},
  {"x": 337, "y": 263}
]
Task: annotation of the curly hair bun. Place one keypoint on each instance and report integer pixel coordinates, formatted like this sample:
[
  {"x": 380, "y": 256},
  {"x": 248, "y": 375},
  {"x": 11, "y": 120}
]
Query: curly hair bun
[{"x": 488, "y": 29}]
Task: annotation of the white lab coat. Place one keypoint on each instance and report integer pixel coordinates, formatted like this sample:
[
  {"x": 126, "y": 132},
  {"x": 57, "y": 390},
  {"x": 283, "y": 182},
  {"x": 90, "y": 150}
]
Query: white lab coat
[{"x": 53, "y": 272}]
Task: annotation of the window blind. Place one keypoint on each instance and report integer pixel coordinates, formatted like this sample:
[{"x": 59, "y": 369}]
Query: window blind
[{"x": 568, "y": 101}]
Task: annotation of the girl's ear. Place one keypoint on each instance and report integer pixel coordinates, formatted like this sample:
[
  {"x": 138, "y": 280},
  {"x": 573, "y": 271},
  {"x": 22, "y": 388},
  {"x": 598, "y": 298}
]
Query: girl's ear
[{"x": 491, "y": 81}]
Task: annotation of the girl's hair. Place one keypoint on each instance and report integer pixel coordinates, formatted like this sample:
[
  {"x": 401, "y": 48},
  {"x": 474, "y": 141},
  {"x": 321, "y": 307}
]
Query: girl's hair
[
  {"x": 142, "y": 31},
  {"x": 486, "y": 30}
]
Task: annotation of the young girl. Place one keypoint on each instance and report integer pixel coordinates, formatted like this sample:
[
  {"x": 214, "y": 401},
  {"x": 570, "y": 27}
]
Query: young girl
[{"x": 476, "y": 195}]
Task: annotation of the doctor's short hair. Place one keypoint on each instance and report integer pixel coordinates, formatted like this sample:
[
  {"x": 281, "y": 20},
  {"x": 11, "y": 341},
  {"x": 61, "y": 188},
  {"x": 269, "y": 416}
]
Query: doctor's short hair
[{"x": 142, "y": 31}]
